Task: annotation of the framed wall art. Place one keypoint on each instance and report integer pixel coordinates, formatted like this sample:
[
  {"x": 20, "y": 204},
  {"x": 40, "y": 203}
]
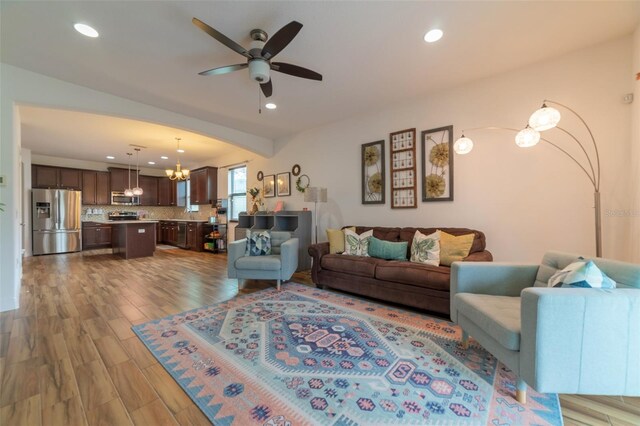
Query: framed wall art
[
  {"x": 283, "y": 187},
  {"x": 403, "y": 169},
  {"x": 437, "y": 164},
  {"x": 269, "y": 186},
  {"x": 373, "y": 176}
]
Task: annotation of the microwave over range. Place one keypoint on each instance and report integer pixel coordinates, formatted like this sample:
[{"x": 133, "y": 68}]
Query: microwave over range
[{"x": 119, "y": 199}]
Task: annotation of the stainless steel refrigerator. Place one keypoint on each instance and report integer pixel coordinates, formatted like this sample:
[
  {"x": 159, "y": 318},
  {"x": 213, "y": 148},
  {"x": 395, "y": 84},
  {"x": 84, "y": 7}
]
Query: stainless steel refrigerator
[{"x": 56, "y": 221}]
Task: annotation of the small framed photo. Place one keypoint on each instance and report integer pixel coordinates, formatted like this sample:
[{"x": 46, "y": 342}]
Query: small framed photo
[
  {"x": 283, "y": 184},
  {"x": 269, "y": 186}
]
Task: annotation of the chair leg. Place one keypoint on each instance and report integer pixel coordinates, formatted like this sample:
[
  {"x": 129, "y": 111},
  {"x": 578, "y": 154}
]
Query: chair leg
[
  {"x": 521, "y": 391},
  {"x": 465, "y": 340},
  {"x": 278, "y": 285}
]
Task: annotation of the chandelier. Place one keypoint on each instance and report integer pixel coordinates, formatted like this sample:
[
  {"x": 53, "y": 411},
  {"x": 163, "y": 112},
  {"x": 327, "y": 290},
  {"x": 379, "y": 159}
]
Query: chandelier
[
  {"x": 137, "y": 190},
  {"x": 179, "y": 173}
]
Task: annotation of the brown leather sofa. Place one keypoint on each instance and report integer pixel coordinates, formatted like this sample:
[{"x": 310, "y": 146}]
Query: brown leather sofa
[{"x": 407, "y": 283}]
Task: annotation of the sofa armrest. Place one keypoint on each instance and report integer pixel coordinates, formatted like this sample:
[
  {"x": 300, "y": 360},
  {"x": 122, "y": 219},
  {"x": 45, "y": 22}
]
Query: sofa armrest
[
  {"x": 316, "y": 251},
  {"x": 581, "y": 341},
  {"x": 289, "y": 257},
  {"x": 495, "y": 278},
  {"x": 479, "y": 256},
  {"x": 235, "y": 250}
]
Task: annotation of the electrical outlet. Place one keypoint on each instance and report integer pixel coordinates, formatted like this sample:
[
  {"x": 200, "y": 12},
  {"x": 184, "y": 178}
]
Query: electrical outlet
[
  {"x": 3, "y": 180},
  {"x": 628, "y": 98}
]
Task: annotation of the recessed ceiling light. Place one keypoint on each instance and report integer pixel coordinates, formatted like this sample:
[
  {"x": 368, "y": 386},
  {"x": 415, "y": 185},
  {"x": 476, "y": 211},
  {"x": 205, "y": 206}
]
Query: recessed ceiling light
[
  {"x": 152, "y": 162},
  {"x": 433, "y": 35},
  {"x": 180, "y": 150},
  {"x": 164, "y": 157},
  {"x": 86, "y": 30},
  {"x": 271, "y": 105},
  {"x": 110, "y": 157}
]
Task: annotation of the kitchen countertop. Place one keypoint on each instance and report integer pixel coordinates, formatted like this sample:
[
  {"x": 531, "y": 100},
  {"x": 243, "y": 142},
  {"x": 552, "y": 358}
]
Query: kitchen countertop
[
  {"x": 120, "y": 222},
  {"x": 182, "y": 220}
]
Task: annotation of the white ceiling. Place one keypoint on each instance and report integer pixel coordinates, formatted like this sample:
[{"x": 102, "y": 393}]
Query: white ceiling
[{"x": 371, "y": 54}]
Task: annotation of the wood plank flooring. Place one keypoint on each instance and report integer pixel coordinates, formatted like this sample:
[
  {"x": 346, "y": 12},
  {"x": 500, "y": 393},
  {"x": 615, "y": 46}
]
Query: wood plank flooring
[{"x": 69, "y": 357}]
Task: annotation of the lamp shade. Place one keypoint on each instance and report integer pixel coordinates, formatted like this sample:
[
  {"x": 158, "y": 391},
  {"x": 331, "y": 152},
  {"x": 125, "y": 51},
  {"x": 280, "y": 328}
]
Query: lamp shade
[
  {"x": 527, "y": 137},
  {"x": 315, "y": 195},
  {"x": 128, "y": 192},
  {"x": 544, "y": 119},
  {"x": 137, "y": 191},
  {"x": 463, "y": 145}
]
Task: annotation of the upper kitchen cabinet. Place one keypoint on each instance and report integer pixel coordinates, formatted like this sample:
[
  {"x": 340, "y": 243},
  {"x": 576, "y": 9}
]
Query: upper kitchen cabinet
[
  {"x": 55, "y": 177},
  {"x": 120, "y": 179},
  {"x": 149, "y": 185},
  {"x": 204, "y": 185},
  {"x": 166, "y": 192},
  {"x": 95, "y": 188}
]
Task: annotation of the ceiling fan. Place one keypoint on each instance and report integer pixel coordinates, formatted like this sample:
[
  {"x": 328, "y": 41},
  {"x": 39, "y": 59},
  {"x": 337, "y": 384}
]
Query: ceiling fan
[{"x": 259, "y": 55}]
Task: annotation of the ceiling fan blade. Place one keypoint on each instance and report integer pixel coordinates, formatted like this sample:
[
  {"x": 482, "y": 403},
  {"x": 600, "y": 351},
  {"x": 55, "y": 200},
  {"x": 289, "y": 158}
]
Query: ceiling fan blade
[
  {"x": 281, "y": 39},
  {"x": 221, "y": 38},
  {"x": 267, "y": 88},
  {"x": 224, "y": 70},
  {"x": 295, "y": 71}
]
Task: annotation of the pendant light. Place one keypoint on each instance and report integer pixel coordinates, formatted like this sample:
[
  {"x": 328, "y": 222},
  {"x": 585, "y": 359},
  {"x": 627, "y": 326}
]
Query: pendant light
[
  {"x": 129, "y": 192},
  {"x": 137, "y": 190}
]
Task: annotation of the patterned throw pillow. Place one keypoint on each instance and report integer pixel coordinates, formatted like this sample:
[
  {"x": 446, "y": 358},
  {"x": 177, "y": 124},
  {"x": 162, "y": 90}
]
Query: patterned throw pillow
[
  {"x": 357, "y": 245},
  {"x": 581, "y": 274},
  {"x": 258, "y": 243},
  {"x": 426, "y": 248}
]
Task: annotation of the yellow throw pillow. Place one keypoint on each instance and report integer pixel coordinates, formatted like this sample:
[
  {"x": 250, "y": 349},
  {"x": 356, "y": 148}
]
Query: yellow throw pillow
[
  {"x": 336, "y": 239},
  {"x": 454, "y": 248}
]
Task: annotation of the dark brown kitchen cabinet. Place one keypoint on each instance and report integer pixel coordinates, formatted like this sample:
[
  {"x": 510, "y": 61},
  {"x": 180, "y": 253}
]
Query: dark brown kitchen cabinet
[
  {"x": 55, "y": 177},
  {"x": 95, "y": 235},
  {"x": 149, "y": 185},
  {"x": 169, "y": 232},
  {"x": 119, "y": 179},
  {"x": 204, "y": 185},
  {"x": 192, "y": 235},
  {"x": 95, "y": 188},
  {"x": 166, "y": 192}
]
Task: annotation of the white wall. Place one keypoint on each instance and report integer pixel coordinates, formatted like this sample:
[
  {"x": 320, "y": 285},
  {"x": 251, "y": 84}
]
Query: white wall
[
  {"x": 25, "y": 159},
  {"x": 22, "y": 87},
  {"x": 634, "y": 208},
  {"x": 527, "y": 201}
]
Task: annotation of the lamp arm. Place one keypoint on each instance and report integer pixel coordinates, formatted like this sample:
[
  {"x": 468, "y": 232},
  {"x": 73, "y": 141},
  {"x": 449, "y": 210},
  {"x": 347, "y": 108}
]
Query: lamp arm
[
  {"x": 595, "y": 145},
  {"x": 593, "y": 173},
  {"x": 591, "y": 178}
]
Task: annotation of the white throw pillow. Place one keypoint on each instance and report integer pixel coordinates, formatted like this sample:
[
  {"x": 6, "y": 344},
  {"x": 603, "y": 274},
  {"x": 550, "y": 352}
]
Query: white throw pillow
[
  {"x": 426, "y": 248},
  {"x": 581, "y": 274},
  {"x": 357, "y": 245}
]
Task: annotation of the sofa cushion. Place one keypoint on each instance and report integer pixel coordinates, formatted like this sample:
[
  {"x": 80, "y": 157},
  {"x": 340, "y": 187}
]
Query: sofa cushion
[
  {"x": 354, "y": 265},
  {"x": 262, "y": 263},
  {"x": 454, "y": 248},
  {"x": 418, "y": 274},
  {"x": 498, "y": 316}
]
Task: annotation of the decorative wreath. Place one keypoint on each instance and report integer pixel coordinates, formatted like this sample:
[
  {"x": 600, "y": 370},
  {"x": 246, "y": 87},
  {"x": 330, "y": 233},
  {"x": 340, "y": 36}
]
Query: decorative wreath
[
  {"x": 295, "y": 170},
  {"x": 260, "y": 176},
  {"x": 302, "y": 183}
]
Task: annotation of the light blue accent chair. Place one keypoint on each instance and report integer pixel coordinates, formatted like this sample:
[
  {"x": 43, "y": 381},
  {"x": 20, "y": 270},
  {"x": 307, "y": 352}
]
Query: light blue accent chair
[
  {"x": 279, "y": 265},
  {"x": 559, "y": 340}
]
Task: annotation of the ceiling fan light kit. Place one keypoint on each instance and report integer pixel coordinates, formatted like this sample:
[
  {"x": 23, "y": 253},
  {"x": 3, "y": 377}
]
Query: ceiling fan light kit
[{"x": 259, "y": 55}]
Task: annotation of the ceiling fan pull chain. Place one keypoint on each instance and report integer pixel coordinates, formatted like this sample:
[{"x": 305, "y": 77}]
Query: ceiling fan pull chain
[{"x": 259, "y": 101}]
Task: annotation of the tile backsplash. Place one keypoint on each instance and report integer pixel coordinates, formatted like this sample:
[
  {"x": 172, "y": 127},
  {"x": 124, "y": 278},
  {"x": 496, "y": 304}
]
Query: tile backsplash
[{"x": 149, "y": 212}]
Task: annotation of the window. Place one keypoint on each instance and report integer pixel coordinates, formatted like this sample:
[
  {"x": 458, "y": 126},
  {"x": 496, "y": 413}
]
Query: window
[
  {"x": 189, "y": 207},
  {"x": 237, "y": 191}
]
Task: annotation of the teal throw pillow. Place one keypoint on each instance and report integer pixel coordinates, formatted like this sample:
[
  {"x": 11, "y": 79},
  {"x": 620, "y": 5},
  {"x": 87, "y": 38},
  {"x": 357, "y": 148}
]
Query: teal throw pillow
[
  {"x": 581, "y": 274},
  {"x": 258, "y": 243},
  {"x": 387, "y": 250}
]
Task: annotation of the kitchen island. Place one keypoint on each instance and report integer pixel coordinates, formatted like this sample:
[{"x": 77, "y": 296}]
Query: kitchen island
[{"x": 132, "y": 238}]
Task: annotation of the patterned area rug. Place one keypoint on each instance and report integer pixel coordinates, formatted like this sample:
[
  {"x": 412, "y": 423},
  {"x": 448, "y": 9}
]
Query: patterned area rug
[{"x": 308, "y": 356}]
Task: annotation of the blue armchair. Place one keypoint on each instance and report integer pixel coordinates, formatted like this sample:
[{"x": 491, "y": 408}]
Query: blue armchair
[
  {"x": 564, "y": 340},
  {"x": 279, "y": 265}
]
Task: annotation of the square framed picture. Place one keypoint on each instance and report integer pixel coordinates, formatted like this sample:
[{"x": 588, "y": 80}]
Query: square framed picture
[
  {"x": 373, "y": 176},
  {"x": 269, "y": 186},
  {"x": 283, "y": 187},
  {"x": 437, "y": 164}
]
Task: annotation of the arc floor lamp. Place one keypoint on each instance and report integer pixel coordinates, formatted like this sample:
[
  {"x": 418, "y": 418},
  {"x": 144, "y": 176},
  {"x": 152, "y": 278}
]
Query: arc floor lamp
[{"x": 543, "y": 119}]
